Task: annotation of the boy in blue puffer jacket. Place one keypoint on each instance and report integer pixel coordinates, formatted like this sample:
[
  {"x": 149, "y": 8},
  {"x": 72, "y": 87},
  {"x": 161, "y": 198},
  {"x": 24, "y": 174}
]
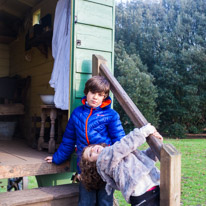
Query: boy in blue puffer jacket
[{"x": 93, "y": 122}]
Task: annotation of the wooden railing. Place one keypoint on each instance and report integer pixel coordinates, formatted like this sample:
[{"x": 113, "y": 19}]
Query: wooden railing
[{"x": 170, "y": 158}]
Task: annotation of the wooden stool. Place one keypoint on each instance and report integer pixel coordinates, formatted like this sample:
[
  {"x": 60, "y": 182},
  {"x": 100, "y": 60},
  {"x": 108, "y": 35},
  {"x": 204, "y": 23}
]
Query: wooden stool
[{"x": 53, "y": 113}]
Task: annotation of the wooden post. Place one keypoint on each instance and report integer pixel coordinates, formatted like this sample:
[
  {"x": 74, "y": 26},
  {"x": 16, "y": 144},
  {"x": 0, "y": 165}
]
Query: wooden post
[
  {"x": 53, "y": 116},
  {"x": 96, "y": 61},
  {"x": 41, "y": 137},
  {"x": 170, "y": 178}
]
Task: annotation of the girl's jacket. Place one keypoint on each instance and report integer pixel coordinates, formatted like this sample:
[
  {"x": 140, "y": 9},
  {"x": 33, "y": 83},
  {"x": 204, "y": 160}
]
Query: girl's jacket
[
  {"x": 89, "y": 126},
  {"x": 127, "y": 169}
]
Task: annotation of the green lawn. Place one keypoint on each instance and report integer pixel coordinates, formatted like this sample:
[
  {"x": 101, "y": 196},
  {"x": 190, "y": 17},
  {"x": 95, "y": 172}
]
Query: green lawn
[
  {"x": 193, "y": 172},
  {"x": 193, "y": 185}
]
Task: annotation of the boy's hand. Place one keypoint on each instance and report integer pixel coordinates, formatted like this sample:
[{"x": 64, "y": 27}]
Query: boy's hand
[
  {"x": 49, "y": 159},
  {"x": 158, "y": 136}
]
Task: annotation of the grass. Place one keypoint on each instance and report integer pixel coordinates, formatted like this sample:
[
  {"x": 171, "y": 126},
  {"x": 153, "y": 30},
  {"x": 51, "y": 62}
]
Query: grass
[
  {"x": 193, "y": 184},
  {"x": 32, "y": 183}
]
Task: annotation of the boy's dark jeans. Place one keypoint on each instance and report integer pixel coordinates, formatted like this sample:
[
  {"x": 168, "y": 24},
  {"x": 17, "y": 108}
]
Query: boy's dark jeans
[
  {"x": 150, "y": 198},
  {"x": 94, "y": 197}
]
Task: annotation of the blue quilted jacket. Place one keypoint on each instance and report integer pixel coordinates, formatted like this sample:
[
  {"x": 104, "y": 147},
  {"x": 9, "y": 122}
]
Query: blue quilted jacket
[{"x": 89, "y": 126}]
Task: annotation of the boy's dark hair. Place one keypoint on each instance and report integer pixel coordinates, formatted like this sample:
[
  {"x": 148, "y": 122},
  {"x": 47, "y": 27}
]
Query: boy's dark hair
[
  {"x": 97, "y": 84},
  {"x": 90, "y": 178}
]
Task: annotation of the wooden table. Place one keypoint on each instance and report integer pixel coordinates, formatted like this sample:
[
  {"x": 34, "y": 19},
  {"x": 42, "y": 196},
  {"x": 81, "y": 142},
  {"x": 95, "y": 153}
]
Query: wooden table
[{"x": 53, "y": 113}]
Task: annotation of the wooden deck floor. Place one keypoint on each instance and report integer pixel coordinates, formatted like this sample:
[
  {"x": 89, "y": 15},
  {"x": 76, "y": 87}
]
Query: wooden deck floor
[{"x": 19, "y": 160}]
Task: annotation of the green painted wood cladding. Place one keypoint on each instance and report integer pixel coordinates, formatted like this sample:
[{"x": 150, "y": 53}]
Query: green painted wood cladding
[
  {"x": 93, "y": 16},
  {"x": 83, "y": 60},
  {"x": 104, "y": 2},
  {"x": 95, "y": 38},
  {"x": 93, "y": 33}
]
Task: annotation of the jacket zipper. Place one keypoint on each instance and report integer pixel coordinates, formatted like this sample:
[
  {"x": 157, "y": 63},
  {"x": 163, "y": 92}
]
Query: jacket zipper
[{"x": 86, "y": 125}]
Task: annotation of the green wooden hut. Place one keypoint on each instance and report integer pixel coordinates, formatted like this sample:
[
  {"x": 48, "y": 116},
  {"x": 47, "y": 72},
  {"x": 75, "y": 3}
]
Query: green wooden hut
[{"x": 26, "y": 56}]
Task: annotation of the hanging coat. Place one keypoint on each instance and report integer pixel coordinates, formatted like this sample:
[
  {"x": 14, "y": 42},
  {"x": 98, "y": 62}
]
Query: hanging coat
[{"x": 61, "y": 54}]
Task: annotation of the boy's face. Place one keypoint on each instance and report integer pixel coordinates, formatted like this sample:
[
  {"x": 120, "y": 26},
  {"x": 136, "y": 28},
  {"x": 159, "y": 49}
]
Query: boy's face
[
  {"x": 91, "y": 153},
  {"x": 95, "y": 99}
]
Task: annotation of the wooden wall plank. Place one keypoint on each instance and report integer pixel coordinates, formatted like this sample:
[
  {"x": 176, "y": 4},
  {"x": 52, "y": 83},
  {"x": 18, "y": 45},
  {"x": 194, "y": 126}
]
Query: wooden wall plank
[
  {"x": 83, "y": 61},
  {"x": 19, "y": 64},
  {"x": 11, "y": 109},
  {"x": 80, "y": 80},
  {"x": 94, "y": 14},
  {"x": 104, "y": 2},
  {"x": 94, "y": 38},
  {"x": 39, "y": 68},
  {"x": 4, "y": 54},
  {"x": 4, "y": 47},
  {"x": 4, "y": 60}
]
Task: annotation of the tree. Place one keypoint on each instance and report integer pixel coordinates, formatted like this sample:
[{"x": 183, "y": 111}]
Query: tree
[
  {"x": 138, "y": 83},
  {"x": 169, "y": 39}
]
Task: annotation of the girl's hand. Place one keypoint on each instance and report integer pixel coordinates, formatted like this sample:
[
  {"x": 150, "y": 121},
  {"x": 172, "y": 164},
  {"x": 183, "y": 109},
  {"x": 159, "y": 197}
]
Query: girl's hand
[
  {"x": 49, "y": 159},
  {"x": 158, "y": 136}
]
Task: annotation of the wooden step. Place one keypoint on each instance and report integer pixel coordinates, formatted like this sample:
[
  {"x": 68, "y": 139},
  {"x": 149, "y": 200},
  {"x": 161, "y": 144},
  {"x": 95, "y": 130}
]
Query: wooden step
[{"x": 61, "y": 195}]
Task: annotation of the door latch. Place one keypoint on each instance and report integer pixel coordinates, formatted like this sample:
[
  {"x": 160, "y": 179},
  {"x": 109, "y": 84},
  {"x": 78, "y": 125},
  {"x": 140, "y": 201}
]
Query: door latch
[
  {"x": 75, "y": 19},
  {"x": 79, "y": 42}
]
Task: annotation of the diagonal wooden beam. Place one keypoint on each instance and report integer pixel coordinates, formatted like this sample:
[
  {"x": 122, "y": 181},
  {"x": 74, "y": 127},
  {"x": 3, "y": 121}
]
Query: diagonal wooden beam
[
  {"x": 13, "y": 12},
  {"x": 127, "y": 104},
  {"x": 28, "y": 3}
]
